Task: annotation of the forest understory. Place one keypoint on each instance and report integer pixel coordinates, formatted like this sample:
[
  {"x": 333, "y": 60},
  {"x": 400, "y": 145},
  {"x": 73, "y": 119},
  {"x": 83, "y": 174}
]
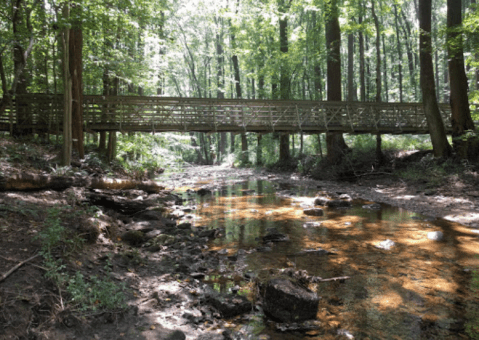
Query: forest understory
[{"x": 94, "y": 277}]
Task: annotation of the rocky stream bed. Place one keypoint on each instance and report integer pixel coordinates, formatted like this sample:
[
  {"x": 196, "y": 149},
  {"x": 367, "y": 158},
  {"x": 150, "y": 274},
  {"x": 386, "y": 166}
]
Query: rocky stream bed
[{"x": 188, "y": 278}]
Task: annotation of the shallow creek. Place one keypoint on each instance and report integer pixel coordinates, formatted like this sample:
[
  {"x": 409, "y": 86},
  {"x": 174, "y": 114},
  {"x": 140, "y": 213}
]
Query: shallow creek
[{"x": 419, "y": 289}]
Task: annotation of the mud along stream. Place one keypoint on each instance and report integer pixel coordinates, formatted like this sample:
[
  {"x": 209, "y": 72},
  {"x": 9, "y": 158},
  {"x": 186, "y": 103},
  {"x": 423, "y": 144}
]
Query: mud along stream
[{"x": 396, "y": 274}]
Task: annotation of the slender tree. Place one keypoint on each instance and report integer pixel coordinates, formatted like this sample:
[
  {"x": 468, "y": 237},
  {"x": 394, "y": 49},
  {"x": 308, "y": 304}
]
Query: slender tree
[
  {"x": 461, "y": 114},
  {"x": 76, "y": 72},
  {"x": 284, "y": 153},
  {"x": 437, "y": 131},
  {"x": 334, "y": 140}
]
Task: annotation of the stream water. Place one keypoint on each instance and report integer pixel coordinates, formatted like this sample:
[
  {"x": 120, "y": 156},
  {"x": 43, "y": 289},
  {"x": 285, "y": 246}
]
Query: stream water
[{"x": 418, "y": 289}]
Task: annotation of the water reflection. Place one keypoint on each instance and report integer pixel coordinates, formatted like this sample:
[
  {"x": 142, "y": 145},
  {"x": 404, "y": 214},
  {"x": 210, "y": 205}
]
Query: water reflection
[{"x": 415, "y": 290}]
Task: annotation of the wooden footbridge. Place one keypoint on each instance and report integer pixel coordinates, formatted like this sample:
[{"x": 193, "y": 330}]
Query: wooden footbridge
[{"x": 42, "y": 112}]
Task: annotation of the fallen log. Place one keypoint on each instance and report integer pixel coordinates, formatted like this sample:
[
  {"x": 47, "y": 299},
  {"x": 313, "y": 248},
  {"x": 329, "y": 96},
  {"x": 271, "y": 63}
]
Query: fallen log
[{"x": 32, "y": 182}]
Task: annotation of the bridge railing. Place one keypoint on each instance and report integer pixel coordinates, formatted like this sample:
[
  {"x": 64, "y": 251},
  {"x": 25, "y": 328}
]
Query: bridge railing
[{"x": 134, "y": 113}]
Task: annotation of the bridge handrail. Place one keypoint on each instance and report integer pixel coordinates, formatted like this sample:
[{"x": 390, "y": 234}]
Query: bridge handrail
[{"x": 155, "y": 113}]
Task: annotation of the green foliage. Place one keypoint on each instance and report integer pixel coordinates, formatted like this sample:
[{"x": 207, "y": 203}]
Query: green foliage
[
  {"x": 145, "y": 152},
  {"x": 96, "y": 294},
  {"x": 83, "y": 295},
  {"x": 54, "y": 233},
  {"x": 390, "y": 142}
]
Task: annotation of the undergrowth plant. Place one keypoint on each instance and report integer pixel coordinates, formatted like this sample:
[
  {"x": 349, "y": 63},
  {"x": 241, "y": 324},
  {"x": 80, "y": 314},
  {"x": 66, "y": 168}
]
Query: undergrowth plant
[{"x": 83, "y": 294}]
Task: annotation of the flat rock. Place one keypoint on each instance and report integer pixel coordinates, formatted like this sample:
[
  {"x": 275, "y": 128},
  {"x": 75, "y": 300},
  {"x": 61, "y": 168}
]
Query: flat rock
[
  {"x": 230, "y": 305},
  {"x": 287, "y": 301},
  {"x": 151, "y": 234},
  {"x": 313, "y": 212},
  {"x": 312, "y": 225},
  {"x": 374, "y": 206}
]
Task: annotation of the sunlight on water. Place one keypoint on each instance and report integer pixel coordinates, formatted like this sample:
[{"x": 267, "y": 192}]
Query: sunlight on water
[{"x": 416, "y": 289}]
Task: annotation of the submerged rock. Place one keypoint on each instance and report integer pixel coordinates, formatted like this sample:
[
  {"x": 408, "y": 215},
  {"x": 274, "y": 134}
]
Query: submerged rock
[
  {"x": 374, "y": 206},
  {"x": 312, "y": 224},
  {"x": 339, "y": 204},
  {"x": 275, "y": 237},
  {"x": 313, "y": 212},
  {"x": 287, "y": 301}
]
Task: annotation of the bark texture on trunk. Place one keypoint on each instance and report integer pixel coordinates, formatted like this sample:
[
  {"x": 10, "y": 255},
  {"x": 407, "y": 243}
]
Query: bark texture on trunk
[
  {"x": 284, "y": 153},
  {"x": 334, "y": 141},
  {"x": 461, "y": 114},
  {"x": 76, "y": 68},
  {"x": 437, "y": 131}
]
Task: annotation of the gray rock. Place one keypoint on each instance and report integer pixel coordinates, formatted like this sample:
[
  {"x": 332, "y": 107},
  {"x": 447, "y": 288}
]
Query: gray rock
[
  {"x": 176, "y": 335},
  {"x": 313, "y": 212},
  {"x": 184, "y": 225},
  {"x": 435, "y": 235},
  {"x": 287, "y": 301},
  {"x": 230, "y": 305},
  {"x": 311, "y": 224},
  {"x": 203, "y": 192},
  {"x": 322, "y": 201},
  {"x": 152, "y": 234},
  {"x": 374, "y": 206}
]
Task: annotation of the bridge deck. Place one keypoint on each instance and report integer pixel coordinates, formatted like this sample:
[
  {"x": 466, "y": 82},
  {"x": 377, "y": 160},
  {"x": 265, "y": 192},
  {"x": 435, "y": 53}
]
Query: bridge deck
[{"x": 156, "y": 114}]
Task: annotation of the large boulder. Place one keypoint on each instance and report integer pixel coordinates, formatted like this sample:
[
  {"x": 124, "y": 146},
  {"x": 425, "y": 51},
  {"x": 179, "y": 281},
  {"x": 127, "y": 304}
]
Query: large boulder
[{"x": 288, "y": 301}]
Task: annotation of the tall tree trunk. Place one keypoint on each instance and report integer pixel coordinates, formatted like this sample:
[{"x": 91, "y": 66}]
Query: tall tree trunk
[
  {"x": 379, "y": 153},
  {"x": 67, "y": 94},
  {"x": 76, "y": 72},
  {"x": 362, "y": 79},
  {"x": 285, "y": 88},
  {"x": 239, "y": 95},
  {"x": 112, "y": 138},
  {"x": 259, "y": 150},
  {"x": 399, "y": 52},
  {"x": 284, "y": 152},
  {"x": 351, "y": 89},
  {"x": 476, "y": 55},
  {"x": 220, "y": 92},
  {"x": 334, "y": 141},
  {"x": 385, "y": 68},
  {"x": 106, "y": 92},
  {"x": 437, "y": 131},
  {"x": 410, "y": 57},
  {"x": 199, "y": 156},
  {"x": 19, "y": 64},
  {"x": 461, "y": 115}
]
